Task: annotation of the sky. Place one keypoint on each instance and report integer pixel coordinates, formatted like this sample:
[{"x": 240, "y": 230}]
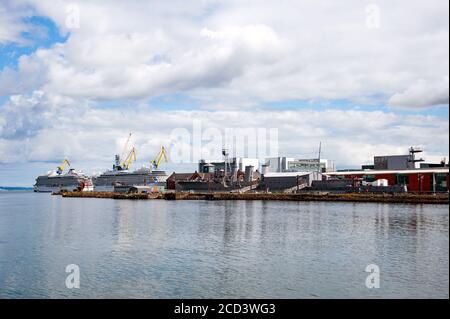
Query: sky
[{"x": 361, "y": 78}]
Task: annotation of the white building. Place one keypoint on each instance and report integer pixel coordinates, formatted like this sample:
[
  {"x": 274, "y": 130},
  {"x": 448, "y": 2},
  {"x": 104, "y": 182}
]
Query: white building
[
  {"x": 288, "y": 164},
  {"x": 240, "y": 163},
  {"x": 277, "y": 164}
]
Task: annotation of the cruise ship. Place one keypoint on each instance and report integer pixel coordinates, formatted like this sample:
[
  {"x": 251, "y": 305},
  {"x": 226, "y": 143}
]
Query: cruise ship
[
  {"x": 144, "y": 176},
  {"x": 57, "y": 181},
  {"x": 121, "y": 175}
]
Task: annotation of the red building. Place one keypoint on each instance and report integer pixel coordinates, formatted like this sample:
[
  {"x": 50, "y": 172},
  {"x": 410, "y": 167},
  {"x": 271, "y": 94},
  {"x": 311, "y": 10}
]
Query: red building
[{"x": 416, "y": 180}]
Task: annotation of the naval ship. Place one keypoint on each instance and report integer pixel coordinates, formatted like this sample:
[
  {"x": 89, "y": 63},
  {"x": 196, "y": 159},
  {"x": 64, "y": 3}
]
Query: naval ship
[
  {"x": 57, "y": 180},
  {"x": 121, "y": 175}
]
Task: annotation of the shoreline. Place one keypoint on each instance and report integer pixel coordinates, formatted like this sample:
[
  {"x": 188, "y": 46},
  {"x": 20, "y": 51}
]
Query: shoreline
[{"x": 442, "y": 199}]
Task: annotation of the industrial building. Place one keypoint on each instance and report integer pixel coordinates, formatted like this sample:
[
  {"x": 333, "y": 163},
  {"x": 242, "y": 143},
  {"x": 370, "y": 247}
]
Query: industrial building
[
  {"x": 287, "y": 164},
  {"x": 394, "y": 162},
  {"x": 356, "y": 185},
  {"x": 288, "y": 181},
  {"x": 173, "y": 179},
  {"x": 240, "y": 163},
  {"x": 433, "y": 165},
  {"x": 387, "y": 174},
  {"x": 415, "y": 180},
  {"x": 401, "y": 170},
  {"x": 228, "y": 175}
]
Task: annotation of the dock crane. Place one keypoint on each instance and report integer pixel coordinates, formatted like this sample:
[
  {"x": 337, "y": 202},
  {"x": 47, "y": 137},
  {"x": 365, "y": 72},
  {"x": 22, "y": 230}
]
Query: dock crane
[
  {"x": 131, "y": 157},
  {"x": 61, "y": 167},
  {"x": 125, "y": 146},
  {"x": 157, "y": 161},
  {"x": 123, "y": 161}
]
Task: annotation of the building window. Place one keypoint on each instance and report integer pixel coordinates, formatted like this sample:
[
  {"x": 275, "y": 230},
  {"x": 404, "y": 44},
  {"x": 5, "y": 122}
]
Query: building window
[
  {"x": 402, "y": 179},
  {"x": 441, "y": 182}
]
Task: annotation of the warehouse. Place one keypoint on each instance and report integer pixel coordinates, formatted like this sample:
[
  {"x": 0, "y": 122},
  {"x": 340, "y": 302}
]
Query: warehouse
[
  {"x": 288, "y": 181},
  {"x": 239, "y": 163},
  {"x": 416, "y": 180},
  {"x": 288, "y": 164}
]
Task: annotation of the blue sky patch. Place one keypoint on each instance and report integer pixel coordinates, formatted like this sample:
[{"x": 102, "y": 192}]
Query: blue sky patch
[{"x": 42, "y": 33}]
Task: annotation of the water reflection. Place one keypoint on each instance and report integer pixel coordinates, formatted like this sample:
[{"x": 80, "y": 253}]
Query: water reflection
[
  {"x": 191, "y": 249},
  {"x": 124, "y": 223}
]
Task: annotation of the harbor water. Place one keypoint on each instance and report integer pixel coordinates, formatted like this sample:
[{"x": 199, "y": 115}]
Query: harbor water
[{"x": 220, "y": 249}]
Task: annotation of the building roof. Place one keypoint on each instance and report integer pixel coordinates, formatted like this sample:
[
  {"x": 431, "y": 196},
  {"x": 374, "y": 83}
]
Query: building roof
[
  {"x": 396, "y": 171},
  {"x": 205, "y": 175},
  {"x": 286, "y": 174},
  {"x": 181, "y": 176}
]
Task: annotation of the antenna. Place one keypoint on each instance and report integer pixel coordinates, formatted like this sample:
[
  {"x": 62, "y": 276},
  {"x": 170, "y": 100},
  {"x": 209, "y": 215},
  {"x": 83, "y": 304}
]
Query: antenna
[
  {"x": 412, "y": 153},
  {"x": 318, "y": 159},
  {"x": 226, "y": 162}
]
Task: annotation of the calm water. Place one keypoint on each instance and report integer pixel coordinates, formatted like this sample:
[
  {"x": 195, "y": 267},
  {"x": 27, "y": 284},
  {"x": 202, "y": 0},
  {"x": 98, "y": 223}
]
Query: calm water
[{"x": 234, "y": 249}]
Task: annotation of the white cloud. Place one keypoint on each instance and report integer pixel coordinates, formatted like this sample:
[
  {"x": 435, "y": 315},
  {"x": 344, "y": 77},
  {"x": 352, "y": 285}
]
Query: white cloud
[
  {"x": 230, "y": 52},
  {"x": 11, "y": 24},
  {"x": 423, "y": 93},
  {"x": 36, "y": 128},
  {"x": 225, "y": 55}
]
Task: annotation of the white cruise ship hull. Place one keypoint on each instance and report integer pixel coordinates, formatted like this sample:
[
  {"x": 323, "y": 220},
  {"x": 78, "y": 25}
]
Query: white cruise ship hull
[
  {"x": 106, "y": 181},
  {"x": 51, "y": 189}
]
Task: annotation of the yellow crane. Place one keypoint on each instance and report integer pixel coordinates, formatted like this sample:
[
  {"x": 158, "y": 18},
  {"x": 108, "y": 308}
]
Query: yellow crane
[
  {"x": 131, "y": 157},
  {"x": 61, "y": 167},
  {"x": 157, "y": 161},
  {"x": 120, "y": 159}
]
